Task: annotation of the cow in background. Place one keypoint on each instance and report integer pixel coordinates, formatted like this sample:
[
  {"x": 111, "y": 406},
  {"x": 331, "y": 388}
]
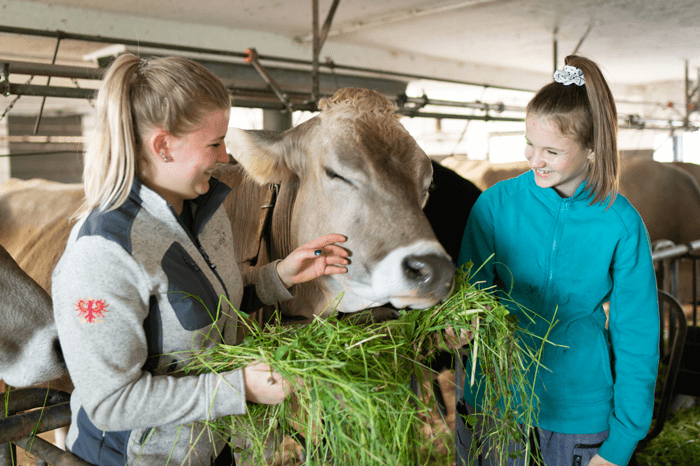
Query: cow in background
[
  {"x": 693, "y": 169},
  {"x": 29, "y": 350},
  {"x": 667, "y": 198},
  {"x": 665, "y": 195},
  {"x": 449, "y": 205}
]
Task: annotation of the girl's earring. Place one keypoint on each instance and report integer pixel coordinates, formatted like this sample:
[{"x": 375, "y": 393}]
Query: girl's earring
[{"x": 166, "y": 159}]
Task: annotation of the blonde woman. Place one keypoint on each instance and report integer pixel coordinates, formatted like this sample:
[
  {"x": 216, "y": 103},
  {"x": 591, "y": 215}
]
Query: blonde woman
[{"x": 140, "y": 282}]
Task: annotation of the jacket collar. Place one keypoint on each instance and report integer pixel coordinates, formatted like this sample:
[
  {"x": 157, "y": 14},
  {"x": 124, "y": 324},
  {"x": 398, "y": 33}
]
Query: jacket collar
[
  {"x": 206, "y": 204},
  {"x": 549, "y": 195}
]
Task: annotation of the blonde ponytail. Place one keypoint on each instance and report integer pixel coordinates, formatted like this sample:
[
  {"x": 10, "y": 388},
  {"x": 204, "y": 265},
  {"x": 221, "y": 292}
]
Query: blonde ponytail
[{"x": 136, "y": 96}]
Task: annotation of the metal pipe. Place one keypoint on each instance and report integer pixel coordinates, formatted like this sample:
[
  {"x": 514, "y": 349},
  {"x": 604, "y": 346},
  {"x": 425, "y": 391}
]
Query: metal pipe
[
  {"x": 57, "y": 71},
  {"x": 455, "y": 116},
  {"x": 136, "y": 43},
  {"x": 695, "y": 291},
  {"x": 319, "y": 39},
  {"x": 30, "y": 398},
  {"x": 675, "y": 251},
  {"x": 478, "y": 105},
  {"x": 315, "y": 51},
  {"x": 113, "y": 40},
  {"x": 8, "y": 455},
  {"x": 51, "y": 91},
  {"x": 52, "y": 454},
  {"x": 30, "y": 154},
  {"x": 403, "y": 16},
  {"x": 48, "y": 81},
  {"x": 585, "y": 34},
  {"x": 555, "y": 46},
  {"x": 19, "y": 426},
  {"x": 686, "y": 113},
  {"x": 327, "y": 24},
  {"x": 252, "y": 58}
]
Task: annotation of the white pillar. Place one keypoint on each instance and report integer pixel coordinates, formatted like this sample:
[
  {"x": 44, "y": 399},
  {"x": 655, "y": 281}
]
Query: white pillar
[
  {"x": 4, "y": 150},
  {"x": 88, "y": 123}
]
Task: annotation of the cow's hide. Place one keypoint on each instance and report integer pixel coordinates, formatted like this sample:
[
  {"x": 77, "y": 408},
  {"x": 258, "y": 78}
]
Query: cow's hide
[{"x": 29, "y": 354}]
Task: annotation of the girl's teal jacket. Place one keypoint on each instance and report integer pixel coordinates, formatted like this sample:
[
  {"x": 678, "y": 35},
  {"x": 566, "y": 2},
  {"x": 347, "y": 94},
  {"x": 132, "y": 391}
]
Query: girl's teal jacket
[{"x": 563, "y": 255}]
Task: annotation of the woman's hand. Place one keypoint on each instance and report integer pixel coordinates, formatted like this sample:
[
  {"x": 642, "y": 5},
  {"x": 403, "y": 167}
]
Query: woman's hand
[
  {"x": 263, "y": 385},
  {"x": 314, "y": 259},
  {"x": 598, "y": 460}
]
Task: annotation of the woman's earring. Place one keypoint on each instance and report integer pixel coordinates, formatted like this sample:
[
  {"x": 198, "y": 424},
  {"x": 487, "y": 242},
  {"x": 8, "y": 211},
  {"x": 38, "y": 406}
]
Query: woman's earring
[{"x": 166, "y": 159}]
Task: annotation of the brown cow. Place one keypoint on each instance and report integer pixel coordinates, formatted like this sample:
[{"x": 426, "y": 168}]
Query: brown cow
[
  {"x": 667, "y": 198},
  {"x": 693, "y": 169},
  {"x": 352, "y": 169}
]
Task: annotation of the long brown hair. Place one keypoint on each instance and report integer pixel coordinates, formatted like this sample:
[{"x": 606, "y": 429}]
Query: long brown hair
[
  {"x": 136, "y": 96},
  {"x": 587, "y": 113}
]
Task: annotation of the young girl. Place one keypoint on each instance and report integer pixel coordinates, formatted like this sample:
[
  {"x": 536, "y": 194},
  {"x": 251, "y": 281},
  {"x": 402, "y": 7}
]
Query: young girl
[
  {"x": 138, "y": 288},
  {"x": 565, "y": 240}
]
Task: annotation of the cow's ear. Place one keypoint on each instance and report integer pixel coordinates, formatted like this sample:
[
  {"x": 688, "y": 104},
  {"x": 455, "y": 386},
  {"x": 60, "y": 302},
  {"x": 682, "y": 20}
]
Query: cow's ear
[{"x": 261, "y": 152}]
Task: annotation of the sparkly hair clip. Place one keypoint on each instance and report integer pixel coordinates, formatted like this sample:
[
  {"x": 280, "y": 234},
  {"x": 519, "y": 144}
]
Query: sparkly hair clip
[
  {"x": 569, "y": 75},
  {"x": 143, "y": 64}
]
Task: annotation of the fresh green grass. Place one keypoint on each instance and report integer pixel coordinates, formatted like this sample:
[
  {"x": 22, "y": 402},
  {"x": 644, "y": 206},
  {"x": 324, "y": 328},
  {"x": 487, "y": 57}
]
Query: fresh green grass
[
  {"x": 352, "y": 399},
  {"x": 678, "y": 444}
]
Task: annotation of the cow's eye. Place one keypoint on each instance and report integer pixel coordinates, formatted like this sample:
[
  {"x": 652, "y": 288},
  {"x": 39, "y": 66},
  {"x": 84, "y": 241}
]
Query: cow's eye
[{"x": 333, "y": 175}]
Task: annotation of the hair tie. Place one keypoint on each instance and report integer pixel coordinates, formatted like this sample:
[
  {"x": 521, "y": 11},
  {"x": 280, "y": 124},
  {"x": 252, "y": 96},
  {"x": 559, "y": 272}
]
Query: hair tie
[{"x": 569, "y": 75}]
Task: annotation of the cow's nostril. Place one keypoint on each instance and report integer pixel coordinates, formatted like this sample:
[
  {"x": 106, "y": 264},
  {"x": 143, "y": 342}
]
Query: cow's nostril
[
  {"x": 58, "y": 350},
  {"x": 430, "y": 274},
  {"x": 416, "y": 269}
]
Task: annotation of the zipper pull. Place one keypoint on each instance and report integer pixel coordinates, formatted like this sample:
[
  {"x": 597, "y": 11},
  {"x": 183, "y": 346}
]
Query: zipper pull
[{"x": 206, "y": 257}]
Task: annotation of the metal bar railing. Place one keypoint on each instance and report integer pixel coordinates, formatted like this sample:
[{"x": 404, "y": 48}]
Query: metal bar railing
[{"x": 670, "y": 255}]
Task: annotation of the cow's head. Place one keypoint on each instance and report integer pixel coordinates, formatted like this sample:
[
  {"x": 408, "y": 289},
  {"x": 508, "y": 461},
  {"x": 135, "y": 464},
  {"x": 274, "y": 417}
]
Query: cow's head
[
  {"x": 359, "y": 173},
  {"x": 29, "y": 350}
]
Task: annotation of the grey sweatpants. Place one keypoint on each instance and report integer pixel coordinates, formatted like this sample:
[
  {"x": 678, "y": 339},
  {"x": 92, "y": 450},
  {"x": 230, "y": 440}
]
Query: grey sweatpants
[{"x": 554, "y": 448}]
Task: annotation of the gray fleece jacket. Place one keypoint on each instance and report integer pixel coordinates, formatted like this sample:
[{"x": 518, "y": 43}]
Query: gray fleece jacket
[{"x": 134, "y": 294}]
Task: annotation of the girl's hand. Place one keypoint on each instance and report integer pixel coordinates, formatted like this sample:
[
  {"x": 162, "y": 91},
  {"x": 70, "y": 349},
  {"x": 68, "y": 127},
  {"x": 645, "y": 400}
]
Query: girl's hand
[
  {"x": 263, "y": 385},
  {"x": 314, "y": 259},
  {"x": 598, "y": 460},
  {"x": 454, "y": 342}
]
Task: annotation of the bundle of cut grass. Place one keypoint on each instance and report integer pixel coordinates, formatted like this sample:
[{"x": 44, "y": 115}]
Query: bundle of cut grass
[{"x": 353, "y": 402}]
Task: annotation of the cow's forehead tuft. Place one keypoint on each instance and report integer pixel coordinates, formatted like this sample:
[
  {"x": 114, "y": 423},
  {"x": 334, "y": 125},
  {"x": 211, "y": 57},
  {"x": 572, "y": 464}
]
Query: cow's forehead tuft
[{"x": 360, "y": 101}]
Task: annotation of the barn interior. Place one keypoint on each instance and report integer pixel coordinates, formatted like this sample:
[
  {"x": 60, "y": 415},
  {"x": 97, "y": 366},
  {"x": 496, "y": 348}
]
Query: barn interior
[{"x": 461, "y": 73}]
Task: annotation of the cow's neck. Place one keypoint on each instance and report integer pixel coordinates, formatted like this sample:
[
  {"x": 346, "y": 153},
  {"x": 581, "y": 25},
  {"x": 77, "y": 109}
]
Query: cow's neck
[
  {"x": 244, "y": 208},
  {"x": 281, "y": 242}
]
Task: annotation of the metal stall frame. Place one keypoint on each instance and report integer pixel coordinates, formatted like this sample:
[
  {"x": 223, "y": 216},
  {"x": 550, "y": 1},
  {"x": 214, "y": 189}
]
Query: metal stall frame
[{"x": 667, "y": 257}]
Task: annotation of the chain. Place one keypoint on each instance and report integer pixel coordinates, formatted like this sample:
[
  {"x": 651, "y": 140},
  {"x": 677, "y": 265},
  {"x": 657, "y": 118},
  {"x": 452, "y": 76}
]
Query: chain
[{"x": 14, "y": 101}]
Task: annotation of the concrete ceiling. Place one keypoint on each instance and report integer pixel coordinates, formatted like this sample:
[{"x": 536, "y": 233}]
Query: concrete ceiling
[{"x": 641, "y": 44}]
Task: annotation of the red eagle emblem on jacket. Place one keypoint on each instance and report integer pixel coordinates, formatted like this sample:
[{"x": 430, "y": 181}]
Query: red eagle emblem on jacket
[{"x": 91, "y": 311}]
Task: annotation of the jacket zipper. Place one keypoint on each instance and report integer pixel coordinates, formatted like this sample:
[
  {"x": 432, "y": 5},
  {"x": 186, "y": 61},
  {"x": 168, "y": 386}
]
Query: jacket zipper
[
  {"x": 554, "y": 251},
  {"x": 199, "y": 247}
]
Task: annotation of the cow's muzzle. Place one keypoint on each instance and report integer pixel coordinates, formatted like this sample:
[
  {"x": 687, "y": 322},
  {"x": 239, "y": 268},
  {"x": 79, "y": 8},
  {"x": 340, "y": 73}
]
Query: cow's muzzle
[{"x": 430, "y": 274}]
